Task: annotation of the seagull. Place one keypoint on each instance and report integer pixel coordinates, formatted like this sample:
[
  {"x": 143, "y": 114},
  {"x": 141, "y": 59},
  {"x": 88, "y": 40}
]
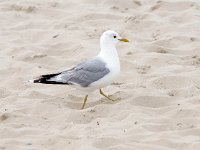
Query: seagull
[{"x": 92, "y": 74}]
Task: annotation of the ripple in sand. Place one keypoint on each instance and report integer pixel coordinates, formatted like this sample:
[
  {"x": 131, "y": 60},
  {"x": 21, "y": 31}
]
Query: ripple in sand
[
  {"x": 171, "y": 82},
  {"x": 152, "y": 101}
]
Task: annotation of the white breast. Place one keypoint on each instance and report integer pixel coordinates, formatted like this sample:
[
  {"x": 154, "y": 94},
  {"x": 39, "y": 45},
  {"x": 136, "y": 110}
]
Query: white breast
[
  {"x": 110, "y": 57},
  {"x": 106, "y": 80}
]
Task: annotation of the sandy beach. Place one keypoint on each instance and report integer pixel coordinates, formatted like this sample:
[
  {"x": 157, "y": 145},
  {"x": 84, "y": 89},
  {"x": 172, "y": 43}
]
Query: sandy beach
[{"x": 157, "y": 92}]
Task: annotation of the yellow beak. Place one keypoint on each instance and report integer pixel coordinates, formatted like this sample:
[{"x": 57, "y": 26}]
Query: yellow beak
[{"x": 124, "y": 40}]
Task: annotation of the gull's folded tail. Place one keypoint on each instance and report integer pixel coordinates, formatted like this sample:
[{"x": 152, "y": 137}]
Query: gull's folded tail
[{"x": 46, "y": 79}]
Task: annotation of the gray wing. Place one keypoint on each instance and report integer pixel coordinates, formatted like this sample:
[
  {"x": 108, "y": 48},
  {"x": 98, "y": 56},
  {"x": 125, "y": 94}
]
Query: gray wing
[{"x": 83, "y": 74}]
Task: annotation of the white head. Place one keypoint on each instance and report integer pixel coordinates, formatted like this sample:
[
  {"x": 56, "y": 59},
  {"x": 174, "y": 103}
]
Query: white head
[{"x": 111, "y": 37}]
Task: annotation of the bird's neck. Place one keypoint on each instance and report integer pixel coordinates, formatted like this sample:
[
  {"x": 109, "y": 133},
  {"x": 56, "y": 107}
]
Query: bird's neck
[{"x": 109, "y": 54}]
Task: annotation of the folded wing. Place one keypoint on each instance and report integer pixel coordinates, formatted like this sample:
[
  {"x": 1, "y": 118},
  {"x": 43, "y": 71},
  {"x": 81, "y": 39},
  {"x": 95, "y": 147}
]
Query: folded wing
[{"x": 83, "y": 74}]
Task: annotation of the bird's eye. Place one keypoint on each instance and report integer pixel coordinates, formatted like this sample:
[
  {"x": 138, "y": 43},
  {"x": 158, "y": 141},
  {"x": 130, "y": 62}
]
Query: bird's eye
[{"x": 114, "y": 36}]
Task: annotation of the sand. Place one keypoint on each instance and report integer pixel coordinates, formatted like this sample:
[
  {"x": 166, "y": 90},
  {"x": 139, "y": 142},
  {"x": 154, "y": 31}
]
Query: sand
[{"x": 158, "y": 91}]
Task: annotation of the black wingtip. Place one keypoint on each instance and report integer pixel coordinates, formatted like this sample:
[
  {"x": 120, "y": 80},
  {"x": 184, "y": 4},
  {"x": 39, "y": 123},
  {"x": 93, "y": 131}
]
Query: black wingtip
[
  {"x": 44, "y": 79},
  {"x": 39, "y": 80}
]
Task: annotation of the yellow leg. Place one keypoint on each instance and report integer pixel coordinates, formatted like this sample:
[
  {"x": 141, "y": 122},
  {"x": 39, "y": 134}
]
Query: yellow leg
[
  {"x": 101, "y": 92},
  {"x": 84, "y": 101}
]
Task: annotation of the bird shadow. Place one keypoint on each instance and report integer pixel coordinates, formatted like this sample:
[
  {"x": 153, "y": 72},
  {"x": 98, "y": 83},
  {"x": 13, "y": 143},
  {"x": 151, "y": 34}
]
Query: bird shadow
[{"x": 76, "y": 102}]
